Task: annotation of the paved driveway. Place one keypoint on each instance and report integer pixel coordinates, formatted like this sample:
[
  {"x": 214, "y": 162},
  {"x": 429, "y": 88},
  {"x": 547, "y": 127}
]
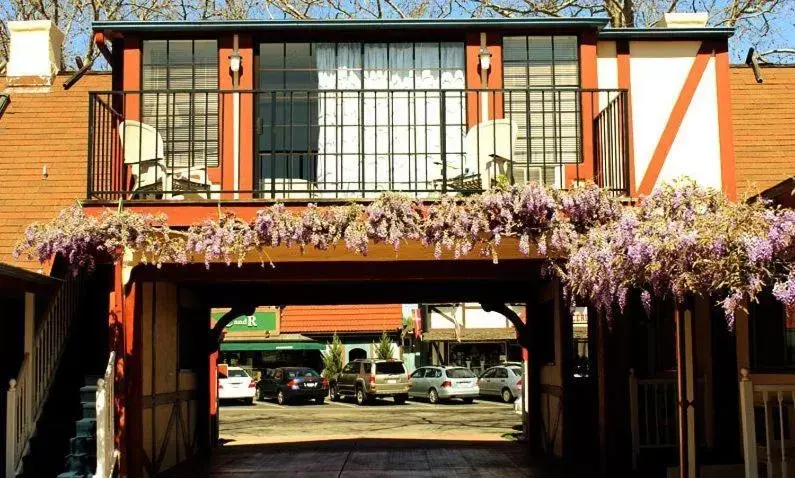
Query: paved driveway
[
  {"x": 381, "y": 440},
  {"x": 267, "y": 422}
]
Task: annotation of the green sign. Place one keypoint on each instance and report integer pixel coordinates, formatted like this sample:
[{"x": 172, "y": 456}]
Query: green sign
[{"x": 259, "y": 322}]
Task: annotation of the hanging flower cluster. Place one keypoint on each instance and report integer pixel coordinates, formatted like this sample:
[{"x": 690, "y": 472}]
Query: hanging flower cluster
[
  {"x": 685, "y": 240},
  {"x": 681, "y": 240}
]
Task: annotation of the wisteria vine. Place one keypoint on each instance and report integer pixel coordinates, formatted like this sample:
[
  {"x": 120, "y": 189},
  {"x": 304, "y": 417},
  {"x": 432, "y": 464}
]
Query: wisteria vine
[{"x": 682, "y": 240}]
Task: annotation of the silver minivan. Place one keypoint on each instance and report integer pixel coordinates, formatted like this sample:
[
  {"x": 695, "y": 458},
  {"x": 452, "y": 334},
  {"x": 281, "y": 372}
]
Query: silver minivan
[
  {"x": 442, "y": 383},
  {"x": 504, "y": 381}
]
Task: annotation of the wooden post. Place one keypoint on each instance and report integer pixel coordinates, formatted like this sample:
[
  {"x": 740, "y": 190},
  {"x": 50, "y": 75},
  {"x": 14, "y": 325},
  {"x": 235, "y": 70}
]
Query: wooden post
[
  {"x": 685, "y": 390},
  {"x": 602, "y": 386},
  {"x": 748, "y": 424},
  {"x": 29, "y": 337},
  {"x": 11, "y": 427},
  {"x": 633, "y": 417}
]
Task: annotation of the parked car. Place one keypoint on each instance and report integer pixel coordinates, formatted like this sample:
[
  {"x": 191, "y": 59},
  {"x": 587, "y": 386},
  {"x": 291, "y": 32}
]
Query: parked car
[
  {"x": 366, "y": 379},
  {"x": 287, "y": 384},
  {"x": 502, "y": 381},
  {"x": 442, "y": 383},
  {"x": 237, "y": 384}
]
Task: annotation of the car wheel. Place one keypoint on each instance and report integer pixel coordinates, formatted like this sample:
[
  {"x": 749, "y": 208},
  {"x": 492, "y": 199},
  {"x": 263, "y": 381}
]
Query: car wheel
[
  {"x": 320, "y": 400},
  {"x": 433, "y": 396},
  {"x": 280, "y": 398},
  {"x": 361, "y": 397},
  {"x": 507, "y": 396},
  {"x": 401, "y": 399},
  {"x": 468, "y": 400},
  {"x": 335, "y": 393}
]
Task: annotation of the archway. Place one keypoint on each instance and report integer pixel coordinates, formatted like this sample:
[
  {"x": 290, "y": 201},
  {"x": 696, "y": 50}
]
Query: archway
[{"x": 356, "y": 354}]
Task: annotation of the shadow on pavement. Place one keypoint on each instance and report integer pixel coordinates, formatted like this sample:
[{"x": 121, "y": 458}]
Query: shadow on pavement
[{"x": 378, "y": 457}]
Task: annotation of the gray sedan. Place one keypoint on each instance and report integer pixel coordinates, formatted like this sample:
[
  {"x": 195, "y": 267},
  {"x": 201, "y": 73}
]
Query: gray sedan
[
  {"x": 502, "y": 381},
  {"x": 442, "y": 383}
]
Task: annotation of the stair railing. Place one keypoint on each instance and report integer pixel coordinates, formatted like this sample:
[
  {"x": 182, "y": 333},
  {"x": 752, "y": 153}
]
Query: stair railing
[
  {"x": 27, "y": 394},
  {"x": 107, "y": 454}
]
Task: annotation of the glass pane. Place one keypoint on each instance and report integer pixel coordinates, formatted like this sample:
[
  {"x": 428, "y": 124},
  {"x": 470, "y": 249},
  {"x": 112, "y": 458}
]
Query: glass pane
[
  {"x": 155, "y": 52},
  {"x": 298, "y": 55},
  {"x": 180, "y": 52},
  {"x": 205, "y": 51},
  {"x": 271, "y": 55},
  {"x": 391, "y": 368}
]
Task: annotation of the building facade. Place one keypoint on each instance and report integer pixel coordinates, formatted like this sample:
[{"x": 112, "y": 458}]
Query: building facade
[{"x": 247, "y": 114}]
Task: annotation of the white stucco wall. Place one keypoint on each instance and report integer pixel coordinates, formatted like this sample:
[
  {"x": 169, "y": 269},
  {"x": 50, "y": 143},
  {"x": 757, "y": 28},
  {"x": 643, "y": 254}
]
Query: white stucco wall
[
  {"x": 606, "y": 69},
  {"x": 658, "y": 71},
  {"x": 476, "y": 318}
]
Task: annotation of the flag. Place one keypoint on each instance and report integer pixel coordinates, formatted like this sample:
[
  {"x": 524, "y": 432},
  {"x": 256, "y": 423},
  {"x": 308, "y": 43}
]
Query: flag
[{"x": 417, "y": 323}]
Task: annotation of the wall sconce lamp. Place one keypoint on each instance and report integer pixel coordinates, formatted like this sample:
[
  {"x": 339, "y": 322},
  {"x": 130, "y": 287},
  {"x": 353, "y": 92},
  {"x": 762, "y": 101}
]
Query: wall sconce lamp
[
  {"x": 485, "y": 58},
  {"x": 235, "y": 60}
]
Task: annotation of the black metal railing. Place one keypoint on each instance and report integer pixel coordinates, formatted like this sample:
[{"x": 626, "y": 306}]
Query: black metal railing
[{"x": 336, "y": 144}]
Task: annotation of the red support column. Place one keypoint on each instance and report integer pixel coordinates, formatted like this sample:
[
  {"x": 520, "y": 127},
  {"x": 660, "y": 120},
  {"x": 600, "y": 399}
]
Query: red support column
[{"x": 125, "y": 339}]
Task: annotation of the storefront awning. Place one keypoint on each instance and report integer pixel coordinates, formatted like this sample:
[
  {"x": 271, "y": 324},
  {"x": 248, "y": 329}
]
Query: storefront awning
[{"x": 270, "y": 346}]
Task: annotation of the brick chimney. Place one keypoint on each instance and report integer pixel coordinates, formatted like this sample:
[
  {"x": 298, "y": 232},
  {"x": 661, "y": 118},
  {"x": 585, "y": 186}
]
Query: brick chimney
[
  {"x": 35, "y": 54},
  {"x": 685, "y": 20}
]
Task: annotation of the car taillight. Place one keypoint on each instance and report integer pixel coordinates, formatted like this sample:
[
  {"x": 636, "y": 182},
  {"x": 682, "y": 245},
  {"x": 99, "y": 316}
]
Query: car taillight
[
  {"x": 292, "y": 384},
  {"x": 447, "y": 384},
  {"x": 519, "y": 384},
  {"x": 371, "y": 379},
  {"x": 252, "y": 385}
]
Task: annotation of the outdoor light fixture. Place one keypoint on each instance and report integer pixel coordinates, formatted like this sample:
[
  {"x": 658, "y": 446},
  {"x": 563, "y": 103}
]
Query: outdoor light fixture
[
  {"x": 4, "y": 100},
  {"x": 234, "y": 61},
  {"x": 485, "y": 58}
]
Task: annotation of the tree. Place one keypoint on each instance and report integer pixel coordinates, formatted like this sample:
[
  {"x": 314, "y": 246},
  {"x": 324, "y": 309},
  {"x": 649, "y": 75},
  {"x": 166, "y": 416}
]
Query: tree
[
  {"x": 383, "y": 350},
  {"x": 755, "y": 20},
  {"x": 332, "y": 358}
]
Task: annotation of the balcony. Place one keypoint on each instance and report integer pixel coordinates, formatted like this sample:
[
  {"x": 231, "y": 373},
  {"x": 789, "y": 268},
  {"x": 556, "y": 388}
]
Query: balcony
[{"x": 314, "y": 145}]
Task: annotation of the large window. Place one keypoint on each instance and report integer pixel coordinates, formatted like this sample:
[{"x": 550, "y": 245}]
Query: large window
[
  {"x": 181, "y": 80},
  {"x": 545, "y": 70},
  {"x": 360, "y": 116}
]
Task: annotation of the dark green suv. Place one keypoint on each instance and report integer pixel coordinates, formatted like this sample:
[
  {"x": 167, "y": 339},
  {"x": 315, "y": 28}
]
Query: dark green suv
[{"x": 366, "y": 379}]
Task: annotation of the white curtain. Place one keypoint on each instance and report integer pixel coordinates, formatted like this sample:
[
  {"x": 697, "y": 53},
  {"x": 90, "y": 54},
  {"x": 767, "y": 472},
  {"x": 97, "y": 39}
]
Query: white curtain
[{"x": 386, "y": 133}]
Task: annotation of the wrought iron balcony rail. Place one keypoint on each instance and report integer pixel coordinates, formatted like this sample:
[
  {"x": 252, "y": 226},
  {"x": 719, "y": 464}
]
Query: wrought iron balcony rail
[{"x": 340, "y": 144}]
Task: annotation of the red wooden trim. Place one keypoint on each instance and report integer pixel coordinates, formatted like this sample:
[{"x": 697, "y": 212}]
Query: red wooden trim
[
  {"x": 725, "y": 126},
  {"x": 116, "y": 343},
  {"x": 493, "y": 80},
  {"x": 675, "y": 120},
  {"x": 246, "y": 151},
  {"x": 132, "y": 77},
  {"x": 589, "y": 78},
  {"x": 132, "y": 377},
  {"x": 624, "y": 81},
  {"x": 224, "y": 175}
]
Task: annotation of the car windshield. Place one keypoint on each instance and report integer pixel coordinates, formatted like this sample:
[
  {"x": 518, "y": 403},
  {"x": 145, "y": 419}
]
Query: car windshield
[
  {"x": 237, "y": 374},
  {"x": 304, "y": 372},
  {"x": 516, "y": 371},
  {"x": 389, "y": 368},
  {"x": 460, "y": 373}
]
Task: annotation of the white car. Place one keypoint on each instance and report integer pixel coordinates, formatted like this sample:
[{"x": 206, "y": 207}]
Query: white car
[{"x": 236, "y": 385}]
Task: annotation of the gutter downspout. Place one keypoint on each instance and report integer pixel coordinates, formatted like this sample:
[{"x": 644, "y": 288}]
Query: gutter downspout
[
  {"x": 484, "y": 83},
  {"x": 236, "y": 124}
]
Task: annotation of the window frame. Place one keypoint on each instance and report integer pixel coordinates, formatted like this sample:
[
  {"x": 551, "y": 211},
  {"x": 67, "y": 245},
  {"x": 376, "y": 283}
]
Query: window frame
[{"x": 170, "y": 115}]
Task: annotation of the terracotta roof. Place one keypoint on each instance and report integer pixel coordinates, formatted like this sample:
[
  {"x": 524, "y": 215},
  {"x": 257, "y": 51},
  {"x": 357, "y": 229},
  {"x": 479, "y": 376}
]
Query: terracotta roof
[
  {"x": 471, "y": 335},
  {"x": 764, "y": 127},
  {"x": 38, "y": 129},
  {"x": 341, "y": 318}
]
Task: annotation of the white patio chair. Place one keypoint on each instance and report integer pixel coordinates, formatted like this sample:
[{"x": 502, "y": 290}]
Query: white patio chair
[
  {"x": 489, "y": 147},
  {"x": 144, "y": 152}
]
